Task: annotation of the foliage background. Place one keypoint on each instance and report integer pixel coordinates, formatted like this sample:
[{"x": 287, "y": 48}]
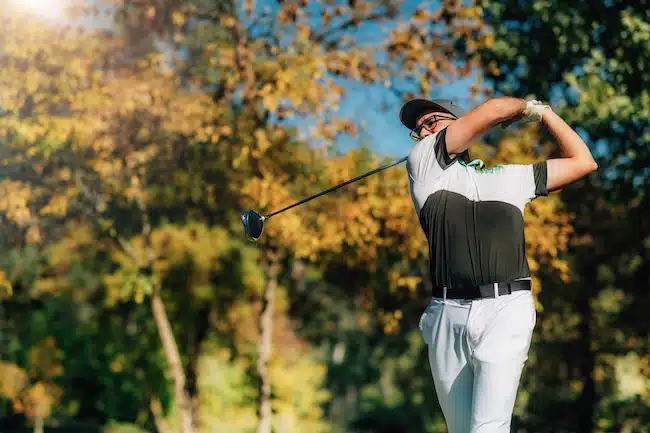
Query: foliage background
[{"x": 132, "y": 134}]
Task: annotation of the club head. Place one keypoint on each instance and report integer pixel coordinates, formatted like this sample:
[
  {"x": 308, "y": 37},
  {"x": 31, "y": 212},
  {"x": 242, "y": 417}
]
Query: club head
[{"x": 253, "y": 225}]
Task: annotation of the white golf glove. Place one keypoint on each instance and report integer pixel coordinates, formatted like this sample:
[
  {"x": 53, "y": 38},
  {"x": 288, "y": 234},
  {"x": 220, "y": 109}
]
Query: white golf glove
[{"x": 533, "y": 111}]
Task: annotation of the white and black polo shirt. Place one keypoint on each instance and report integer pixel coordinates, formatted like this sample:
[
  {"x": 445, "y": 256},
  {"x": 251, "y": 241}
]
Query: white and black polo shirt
[{"x": 473, "y": 219}]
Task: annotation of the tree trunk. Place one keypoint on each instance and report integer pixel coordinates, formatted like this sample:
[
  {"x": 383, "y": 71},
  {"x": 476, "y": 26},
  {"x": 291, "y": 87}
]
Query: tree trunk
[
  {"x": 38, "y": 424},
  {"x": 173, "y": 358},
  {"x": 266, "y": 330}
]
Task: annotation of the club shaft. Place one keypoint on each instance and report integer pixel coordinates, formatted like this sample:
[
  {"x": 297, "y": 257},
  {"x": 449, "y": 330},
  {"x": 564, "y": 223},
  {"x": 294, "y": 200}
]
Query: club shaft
[{"x": 384, "y": 167}]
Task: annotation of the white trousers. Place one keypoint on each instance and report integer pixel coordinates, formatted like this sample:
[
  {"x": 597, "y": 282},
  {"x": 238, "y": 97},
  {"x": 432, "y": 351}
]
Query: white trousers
[{"x": 477, "y": 351}]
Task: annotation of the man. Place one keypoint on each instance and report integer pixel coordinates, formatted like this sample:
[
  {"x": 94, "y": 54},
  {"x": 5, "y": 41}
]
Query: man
[{"x": 479, "y": 324}]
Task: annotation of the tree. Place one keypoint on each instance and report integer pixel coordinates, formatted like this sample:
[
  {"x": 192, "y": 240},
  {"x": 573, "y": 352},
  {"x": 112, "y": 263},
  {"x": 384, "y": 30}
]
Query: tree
[
  {"x": 100, "y": 171},
  {"x": 32, "y": 390}
]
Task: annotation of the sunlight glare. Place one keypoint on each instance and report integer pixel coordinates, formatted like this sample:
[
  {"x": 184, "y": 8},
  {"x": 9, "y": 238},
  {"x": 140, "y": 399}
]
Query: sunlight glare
[{"x": 47, "y": 9}]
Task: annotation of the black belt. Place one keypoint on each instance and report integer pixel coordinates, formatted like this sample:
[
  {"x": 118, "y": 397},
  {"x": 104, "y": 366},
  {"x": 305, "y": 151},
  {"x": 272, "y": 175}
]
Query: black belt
[{"x": 483, "y": 290}]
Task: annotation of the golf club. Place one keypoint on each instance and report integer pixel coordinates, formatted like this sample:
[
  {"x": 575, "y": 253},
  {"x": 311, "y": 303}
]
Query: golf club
[{"x": 254, "y": 222}]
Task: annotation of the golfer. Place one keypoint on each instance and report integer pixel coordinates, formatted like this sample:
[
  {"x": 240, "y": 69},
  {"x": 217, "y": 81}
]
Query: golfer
[{"x": 479, "y": 324}]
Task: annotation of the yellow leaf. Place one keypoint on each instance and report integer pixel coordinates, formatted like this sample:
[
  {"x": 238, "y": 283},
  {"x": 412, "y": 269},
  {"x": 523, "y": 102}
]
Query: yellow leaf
[
  {"x": 229, "y": 22},
  {"x": 13, "y": 380},
  {"x": 6, "y": 289}
]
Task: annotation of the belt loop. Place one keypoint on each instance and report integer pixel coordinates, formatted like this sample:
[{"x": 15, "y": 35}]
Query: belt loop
[
  {"x": 496, "y": 290},
  {"x": 444, "y": 293}
]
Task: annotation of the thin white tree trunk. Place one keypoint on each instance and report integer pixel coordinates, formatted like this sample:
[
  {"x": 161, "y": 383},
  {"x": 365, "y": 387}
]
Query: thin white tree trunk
[
  {"x": 170, "y": 348},
  {"x": 38, "y": 424},
  {"x": 266, "y": 334}
]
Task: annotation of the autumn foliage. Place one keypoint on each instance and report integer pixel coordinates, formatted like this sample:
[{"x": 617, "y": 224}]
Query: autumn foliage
[{"x": 130, "y": 297}]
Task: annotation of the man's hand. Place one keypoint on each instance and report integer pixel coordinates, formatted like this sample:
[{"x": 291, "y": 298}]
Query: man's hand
[{"x": 532, "y": 113}]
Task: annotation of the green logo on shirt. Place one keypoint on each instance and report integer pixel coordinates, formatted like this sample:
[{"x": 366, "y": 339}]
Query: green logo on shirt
[
  {"x": 477, "y": 165},
  {"x": 491, "y": 170}
]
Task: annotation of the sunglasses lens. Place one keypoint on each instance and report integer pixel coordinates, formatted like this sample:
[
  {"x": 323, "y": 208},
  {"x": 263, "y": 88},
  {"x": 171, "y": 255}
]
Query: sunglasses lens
[{"x": 253, "y": 225}]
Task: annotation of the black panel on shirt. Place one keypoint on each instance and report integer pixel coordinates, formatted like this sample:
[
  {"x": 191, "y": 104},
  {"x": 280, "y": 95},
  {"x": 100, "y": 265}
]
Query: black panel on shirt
[
  {"x": 540, "y": 171},
  {"x": 442, "y": 155},
  {"x": 473, "y": 242},
  {"x": 441, "y": 150}
]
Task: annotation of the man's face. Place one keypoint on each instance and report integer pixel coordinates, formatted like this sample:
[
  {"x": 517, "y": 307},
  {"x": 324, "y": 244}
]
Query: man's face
[{"x": 430, "y": 123}]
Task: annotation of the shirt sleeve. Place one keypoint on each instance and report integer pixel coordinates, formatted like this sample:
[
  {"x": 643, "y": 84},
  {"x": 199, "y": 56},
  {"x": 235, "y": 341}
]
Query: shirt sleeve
[
  {"x": 517, "y": 184},
  {"x": 524, "y": 182},
  {"x": 429, "y": 158},
  {"x": 540, "y": 177}
]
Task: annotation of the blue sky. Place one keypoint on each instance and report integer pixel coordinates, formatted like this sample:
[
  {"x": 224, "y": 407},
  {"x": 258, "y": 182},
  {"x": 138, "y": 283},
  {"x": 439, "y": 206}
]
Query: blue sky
[{"x": 376, "y": 108}]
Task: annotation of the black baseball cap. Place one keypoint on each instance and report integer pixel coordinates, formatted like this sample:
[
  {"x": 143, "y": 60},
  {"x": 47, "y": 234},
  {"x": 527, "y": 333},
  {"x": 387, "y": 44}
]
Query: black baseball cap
[{"x": 413, "y": 109}]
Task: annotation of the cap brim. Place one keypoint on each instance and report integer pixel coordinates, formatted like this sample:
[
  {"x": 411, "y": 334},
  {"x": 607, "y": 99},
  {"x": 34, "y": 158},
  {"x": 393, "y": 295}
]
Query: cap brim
[{"x": 415, "y": 108}]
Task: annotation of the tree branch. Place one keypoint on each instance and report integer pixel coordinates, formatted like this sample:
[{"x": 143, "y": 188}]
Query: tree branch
[
  {"x": 351, "y": 22},
  {"x": 85, "y": 191}
]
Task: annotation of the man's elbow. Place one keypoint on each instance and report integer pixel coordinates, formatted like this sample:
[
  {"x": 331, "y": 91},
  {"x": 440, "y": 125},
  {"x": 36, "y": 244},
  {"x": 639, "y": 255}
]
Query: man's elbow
[
  {"x": 589, "y": 165},
  {"x": 592, "y": 165}
]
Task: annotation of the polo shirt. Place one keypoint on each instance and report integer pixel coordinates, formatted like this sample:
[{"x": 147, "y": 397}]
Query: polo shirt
[{"x": 473, "y": 218}]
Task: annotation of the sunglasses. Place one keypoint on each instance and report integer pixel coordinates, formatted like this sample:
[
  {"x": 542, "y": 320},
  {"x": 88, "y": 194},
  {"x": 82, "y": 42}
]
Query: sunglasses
[{"x": 429, "y": 125}]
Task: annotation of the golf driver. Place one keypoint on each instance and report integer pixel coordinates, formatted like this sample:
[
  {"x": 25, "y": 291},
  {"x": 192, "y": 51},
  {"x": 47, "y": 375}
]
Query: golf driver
[{"x": 254, "y": 222}]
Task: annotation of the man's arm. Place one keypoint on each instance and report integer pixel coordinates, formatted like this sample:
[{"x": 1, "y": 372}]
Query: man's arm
[
  {"x": 577, "y": 162},
  {"x": 462, "y": 133}
]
